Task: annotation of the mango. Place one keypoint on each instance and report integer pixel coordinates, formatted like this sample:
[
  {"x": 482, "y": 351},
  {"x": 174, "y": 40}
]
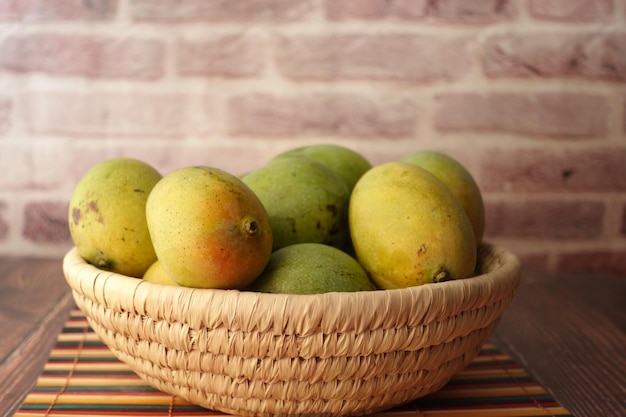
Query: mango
[
  {"x": 459, "y": 180},
  {"x": 157, "y": 275},
  {"x": 107, "y": 216},
  {"x": 209, "y": 230},
  {"x": 306, "y": 201},
  {"x": 408, "y": 229},
  {"x": 349, "y": 164},
  {"x": 312, "y": 268}
]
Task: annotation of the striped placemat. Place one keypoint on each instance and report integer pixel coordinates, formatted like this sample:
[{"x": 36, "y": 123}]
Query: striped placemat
[{"x": 83, "y": 378}]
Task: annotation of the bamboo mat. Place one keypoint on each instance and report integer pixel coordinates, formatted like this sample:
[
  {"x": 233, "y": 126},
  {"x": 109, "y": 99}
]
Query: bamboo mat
[{"x": 83, "y": 378}]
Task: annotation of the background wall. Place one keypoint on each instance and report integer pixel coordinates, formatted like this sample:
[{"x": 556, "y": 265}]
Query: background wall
[{"x": 530, "y": 95}]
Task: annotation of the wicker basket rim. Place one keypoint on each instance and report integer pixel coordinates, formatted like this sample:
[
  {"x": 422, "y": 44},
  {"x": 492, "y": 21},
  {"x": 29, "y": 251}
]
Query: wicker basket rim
[{"x": 248, "y": 311}]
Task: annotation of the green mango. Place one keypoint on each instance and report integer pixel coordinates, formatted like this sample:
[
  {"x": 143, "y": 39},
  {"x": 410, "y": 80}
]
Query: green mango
[
  {"x": 306, "y": 201},
  {"x": 312, "y": 268},
  {"x": 349, "y": 164}
]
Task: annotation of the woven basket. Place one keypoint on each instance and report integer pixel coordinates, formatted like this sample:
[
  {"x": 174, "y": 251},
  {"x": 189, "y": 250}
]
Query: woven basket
[{"x": 250, "y": 353}]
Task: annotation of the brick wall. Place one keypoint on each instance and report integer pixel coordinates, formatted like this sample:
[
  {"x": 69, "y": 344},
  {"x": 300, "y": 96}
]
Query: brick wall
[{"x": 530, "y": 95}]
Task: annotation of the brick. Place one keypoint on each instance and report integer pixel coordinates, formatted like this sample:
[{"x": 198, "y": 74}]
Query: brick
[
  {"x": 363, "y": 9},
  {"x": 557, "y": 114},
  {"x": 33, "y": 165},
  {"x": 49, "y": 10},
  {"x": 562, "y": 170},
  {"x": 235, "y": 156},
  {"x": 46, "y": 222},
  {"x": 571, "y": 10},
  {"x": 87, "y": 56},
  {"x": 220, "y": 11},
  {"x": 349, "y": 115},
  {"x": 116, "y": 114},
  {"x": 613, "y": 261},
  {"x": 376, "y": 9},
  {"x": 403, "y": 57},
  {"x": 4, "y": 223},
  {"x": 544, "y": 219},
  {"x": 452, "y": 11},
  {"x": 232, "y": 55},
  {"x": 596, "y": 55},
  {"x": 6, "y": 110},
  {"x": 472, "y": 11}
]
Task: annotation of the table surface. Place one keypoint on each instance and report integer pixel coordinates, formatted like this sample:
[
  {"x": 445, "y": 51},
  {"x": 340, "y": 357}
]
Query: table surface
[{"x": 567, "y": 330}]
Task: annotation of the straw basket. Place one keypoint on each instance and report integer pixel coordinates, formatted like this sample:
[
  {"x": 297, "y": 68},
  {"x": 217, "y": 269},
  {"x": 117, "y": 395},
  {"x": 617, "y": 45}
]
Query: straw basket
[{"x": 250, "y": 353}]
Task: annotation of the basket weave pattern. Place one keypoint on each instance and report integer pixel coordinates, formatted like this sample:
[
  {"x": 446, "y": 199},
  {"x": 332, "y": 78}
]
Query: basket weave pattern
[{"x": 250, "y": 353}]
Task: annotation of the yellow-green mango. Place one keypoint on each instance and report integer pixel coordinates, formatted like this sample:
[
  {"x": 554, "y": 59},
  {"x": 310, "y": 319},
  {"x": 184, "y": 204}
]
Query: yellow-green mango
[
  {"x": 312, "y": 268},
  {"x": 307, "y": 202},
  {"x": 348, "y": 163},
  {"x": 107, "y": 216},
  {"x": 408, "y": 228},
  {"x": 157, "y": 275},
  {"x": 209, "y": 230},
  {"x": 459, "y": 180}
]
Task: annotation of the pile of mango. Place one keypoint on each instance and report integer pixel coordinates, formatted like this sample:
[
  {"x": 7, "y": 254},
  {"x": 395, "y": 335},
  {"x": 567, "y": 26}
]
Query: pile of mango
[{"x": 313, "y": 219}]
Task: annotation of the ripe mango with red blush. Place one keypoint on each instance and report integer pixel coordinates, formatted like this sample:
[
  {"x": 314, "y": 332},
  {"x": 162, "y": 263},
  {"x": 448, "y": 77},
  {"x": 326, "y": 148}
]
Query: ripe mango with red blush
[{"x": 209, "y": 230}]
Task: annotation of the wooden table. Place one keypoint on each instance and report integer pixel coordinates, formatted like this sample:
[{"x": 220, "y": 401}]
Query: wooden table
[{"x": 568, "y": 330}]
